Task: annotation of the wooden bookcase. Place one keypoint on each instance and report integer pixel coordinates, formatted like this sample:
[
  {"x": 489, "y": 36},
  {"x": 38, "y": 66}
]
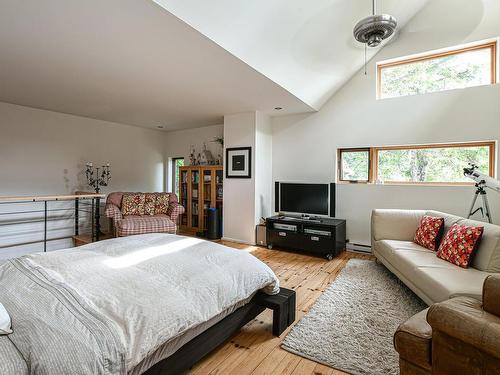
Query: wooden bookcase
[{"x": 200, "y": 189}]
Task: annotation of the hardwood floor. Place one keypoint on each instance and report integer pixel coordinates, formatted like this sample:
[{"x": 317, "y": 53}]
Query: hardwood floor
[{"x": 254, "y": 350}]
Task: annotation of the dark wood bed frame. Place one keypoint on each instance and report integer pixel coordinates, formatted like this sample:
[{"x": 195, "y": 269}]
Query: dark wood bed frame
[{"x": 283, "y": 305}]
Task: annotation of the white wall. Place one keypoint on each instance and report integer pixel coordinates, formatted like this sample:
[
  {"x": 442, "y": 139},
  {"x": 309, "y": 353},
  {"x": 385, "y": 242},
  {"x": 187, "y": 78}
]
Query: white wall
[
  {"x": 178, "y": 144},
  {"x": 263, "y": 166},
  {"x": 239, "y": 193},
  {"x": 304, "y": 146},
  {"x": 43, "y": 152}
]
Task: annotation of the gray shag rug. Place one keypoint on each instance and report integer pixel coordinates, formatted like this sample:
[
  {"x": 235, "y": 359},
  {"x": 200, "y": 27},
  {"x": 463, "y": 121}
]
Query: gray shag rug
[{"x": 351, "y": 325}]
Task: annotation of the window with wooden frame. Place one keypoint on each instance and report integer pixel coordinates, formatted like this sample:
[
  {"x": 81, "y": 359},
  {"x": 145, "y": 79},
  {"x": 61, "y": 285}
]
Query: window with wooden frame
[
  {"x": 475, "y": 65},
  {"x": 416, "y": 164},
  {"x": 354, "y": 164}
]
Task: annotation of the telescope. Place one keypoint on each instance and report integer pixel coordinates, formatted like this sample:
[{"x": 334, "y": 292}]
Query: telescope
[
  {"x": 482, "y": 181},
  {"x": 481, "y": 178}
]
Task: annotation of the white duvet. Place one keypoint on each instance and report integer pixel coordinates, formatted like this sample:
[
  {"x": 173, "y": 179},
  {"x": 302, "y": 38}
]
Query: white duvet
[{"x": 155, "y": 287}]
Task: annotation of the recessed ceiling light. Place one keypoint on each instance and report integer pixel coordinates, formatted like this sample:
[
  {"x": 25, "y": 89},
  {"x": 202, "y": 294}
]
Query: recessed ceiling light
[
  {"x": 160, "y": 126},
  {"x": 278, "y": 108}
]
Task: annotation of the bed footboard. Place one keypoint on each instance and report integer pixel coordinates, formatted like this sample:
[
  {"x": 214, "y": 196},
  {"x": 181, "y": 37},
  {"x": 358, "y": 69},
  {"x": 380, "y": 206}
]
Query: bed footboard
[{"x": 282, "y": 304}]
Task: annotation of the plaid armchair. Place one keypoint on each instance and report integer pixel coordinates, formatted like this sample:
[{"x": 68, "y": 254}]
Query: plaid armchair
[{"x": 133, "y": 224}]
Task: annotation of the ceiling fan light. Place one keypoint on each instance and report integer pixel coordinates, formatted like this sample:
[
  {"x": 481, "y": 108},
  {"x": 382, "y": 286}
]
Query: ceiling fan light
[{"x": 374, "y": 29}]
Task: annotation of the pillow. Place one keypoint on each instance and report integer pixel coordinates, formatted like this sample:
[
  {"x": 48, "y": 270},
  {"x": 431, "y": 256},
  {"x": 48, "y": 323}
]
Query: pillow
[
  {"x": 133, "y": 204},
  {"x": 459, "y": 244},
  {"x": 4, "y": 321},
  {"x": 429, "y": 232},
  {"x": 161, "y": 206},
  {"x": 149, "y": 203}
]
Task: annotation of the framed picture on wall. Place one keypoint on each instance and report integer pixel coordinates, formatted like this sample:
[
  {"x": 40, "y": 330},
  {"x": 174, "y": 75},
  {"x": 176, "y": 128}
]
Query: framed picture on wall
[{"x": 239, "y": 162}]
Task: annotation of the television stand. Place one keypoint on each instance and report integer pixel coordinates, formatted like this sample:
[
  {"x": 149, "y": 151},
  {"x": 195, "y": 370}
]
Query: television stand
[{"x": 321, "y": 236}]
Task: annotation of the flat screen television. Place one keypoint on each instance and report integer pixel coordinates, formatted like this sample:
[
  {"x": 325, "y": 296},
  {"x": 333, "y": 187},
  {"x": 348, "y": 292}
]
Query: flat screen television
[{"x": 305, "y": 198}]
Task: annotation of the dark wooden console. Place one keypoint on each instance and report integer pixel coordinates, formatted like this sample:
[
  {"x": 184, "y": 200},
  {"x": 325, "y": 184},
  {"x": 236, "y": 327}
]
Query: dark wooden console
[{"x": 322, "y": 236}]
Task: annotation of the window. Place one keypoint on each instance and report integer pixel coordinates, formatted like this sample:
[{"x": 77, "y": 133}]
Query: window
[
  {"x": 422, "y": 164},
  {"x": 176, "y": 164},
  {"x": 354, "y": 165},
  {"x": 454, "y": 69}
]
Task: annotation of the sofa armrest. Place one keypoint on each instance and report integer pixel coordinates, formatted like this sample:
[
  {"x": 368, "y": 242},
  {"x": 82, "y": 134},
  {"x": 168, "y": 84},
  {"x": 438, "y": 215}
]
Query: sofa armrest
[
  {"x": 174, "y": 210},
  {"x": 113, "y": 212},
  {"x": 491, "y": 294},
  {"x": 464, "y": 319},
  {"x": 399, "y": 225}
]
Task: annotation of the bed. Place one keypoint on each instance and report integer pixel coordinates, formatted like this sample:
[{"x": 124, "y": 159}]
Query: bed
[{"x": 148, "y": 304}]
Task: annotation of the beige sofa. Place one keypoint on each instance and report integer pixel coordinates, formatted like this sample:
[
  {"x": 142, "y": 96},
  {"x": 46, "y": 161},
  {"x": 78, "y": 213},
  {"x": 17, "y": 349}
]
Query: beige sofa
[{"x": 431, "y": 278}]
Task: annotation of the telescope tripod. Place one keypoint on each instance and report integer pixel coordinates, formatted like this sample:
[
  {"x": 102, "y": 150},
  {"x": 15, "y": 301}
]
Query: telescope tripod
[{"x": 485, "y": 207}]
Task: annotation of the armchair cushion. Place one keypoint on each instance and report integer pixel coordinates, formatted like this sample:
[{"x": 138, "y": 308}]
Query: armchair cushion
[
  {"x": 491, "y": 295},
  {"x": 133, "y": 204},
  {"x": 464, "y": 319},
  {"x": 413, "y": 340},
  {"x": 132, "y": 225},
  {"x": 149, "y": 203},
  {"x": 162, "y": 203}
]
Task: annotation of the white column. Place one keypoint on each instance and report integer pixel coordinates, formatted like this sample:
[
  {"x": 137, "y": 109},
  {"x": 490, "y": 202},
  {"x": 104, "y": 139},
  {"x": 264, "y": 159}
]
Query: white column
[{"x": 247, "y": 199}]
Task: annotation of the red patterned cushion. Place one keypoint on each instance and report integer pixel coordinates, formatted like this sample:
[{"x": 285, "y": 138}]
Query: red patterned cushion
[
  {"x": 459, "y": 244},
  {"x": 149, "y": 203},
  {"x": 133, "y": 204},
  {"x": 429, "y": 232},
  {"x": 161, "y": 206}
]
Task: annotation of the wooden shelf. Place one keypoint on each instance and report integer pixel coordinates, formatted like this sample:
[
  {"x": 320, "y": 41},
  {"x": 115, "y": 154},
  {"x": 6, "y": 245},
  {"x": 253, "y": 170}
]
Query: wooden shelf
[{"x": 206, "y": 192}]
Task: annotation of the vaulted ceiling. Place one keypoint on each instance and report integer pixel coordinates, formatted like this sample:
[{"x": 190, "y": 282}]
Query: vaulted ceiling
[
  {"x": 307, "y": 47},
  {"x": 180, "y": 63}
]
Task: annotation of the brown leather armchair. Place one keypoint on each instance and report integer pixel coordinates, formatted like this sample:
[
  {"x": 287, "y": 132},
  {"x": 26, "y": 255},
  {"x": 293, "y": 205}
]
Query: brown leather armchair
[{"x": 457, "y": 336}]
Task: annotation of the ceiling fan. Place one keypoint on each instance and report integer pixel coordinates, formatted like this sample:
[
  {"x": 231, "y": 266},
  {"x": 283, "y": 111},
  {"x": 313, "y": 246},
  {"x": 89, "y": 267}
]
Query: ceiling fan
[{"x": 374, "y": 29}]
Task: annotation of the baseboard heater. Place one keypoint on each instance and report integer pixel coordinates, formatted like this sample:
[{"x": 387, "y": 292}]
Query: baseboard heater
[{"x": 358, "y": 247}]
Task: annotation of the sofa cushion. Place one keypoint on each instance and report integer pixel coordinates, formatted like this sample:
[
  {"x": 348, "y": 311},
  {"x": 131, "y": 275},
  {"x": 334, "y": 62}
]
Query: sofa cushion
[
  {"x": 441, "y": 283},
  {"x": 436, "y": 278},
  {"x": 133, "y": 204},
  {"x": 459, "y": 244},
  {"x": 487, "y": 256},
  {"x": 449, "y": 219},
  {"x": 429, "y": 232},
  {"x": 388, "y": 224},
  {"x": 131, "y": 225},
  {"x": 161, "y": 205},
  {"x": 149, "y": 203},
  {"x": 406, "y": 257},
  {"x": 388, "y": 248}
]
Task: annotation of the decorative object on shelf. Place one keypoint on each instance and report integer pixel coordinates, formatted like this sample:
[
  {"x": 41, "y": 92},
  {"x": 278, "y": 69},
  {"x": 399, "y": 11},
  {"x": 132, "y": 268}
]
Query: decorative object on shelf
[
  {"x": 239, "y": 162},
  {"x": 206, "y": 156},
  {"x": 219, "y": 140},
  {"x": 372, "y": 30},
  {"x": 192, "y": 156},
  {"x": 96, "y": 179}
]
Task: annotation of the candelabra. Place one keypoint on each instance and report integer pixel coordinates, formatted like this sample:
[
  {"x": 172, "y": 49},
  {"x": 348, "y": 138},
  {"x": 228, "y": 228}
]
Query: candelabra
[{"x": 97, "y": 177}]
